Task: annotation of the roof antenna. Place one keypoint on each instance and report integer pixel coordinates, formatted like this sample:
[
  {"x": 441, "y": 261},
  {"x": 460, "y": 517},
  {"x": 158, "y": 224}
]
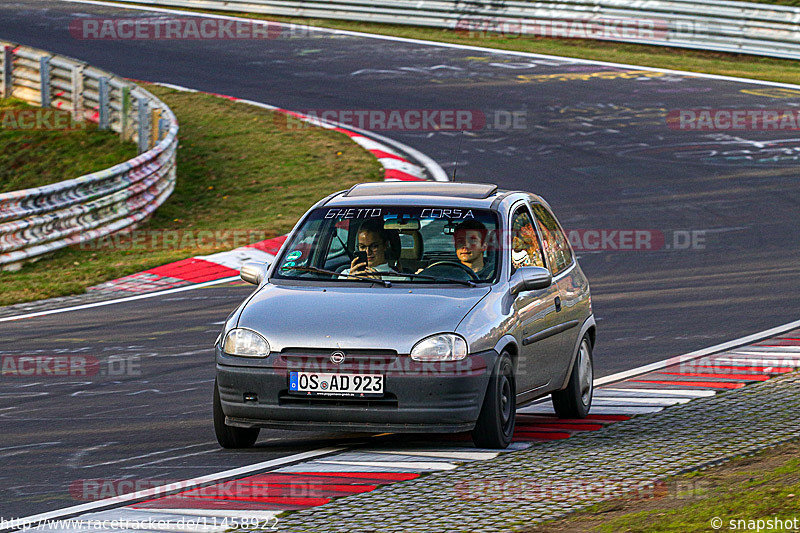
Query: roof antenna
[{"x": 458, "y": 152}]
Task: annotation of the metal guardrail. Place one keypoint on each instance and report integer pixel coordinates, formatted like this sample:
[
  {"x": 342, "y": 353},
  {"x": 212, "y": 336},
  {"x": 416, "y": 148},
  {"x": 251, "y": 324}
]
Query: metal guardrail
[
  {"x": 39, "y": 220},
  {"x": 718, "y": 25}
]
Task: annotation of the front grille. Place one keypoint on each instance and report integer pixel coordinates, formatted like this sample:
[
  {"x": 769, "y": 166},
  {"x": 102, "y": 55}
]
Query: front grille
[{"x": 307, "y": 355}]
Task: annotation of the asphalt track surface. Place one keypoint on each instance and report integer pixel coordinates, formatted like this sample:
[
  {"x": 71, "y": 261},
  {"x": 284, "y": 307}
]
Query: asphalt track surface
[{"x": 599, "y": 150}]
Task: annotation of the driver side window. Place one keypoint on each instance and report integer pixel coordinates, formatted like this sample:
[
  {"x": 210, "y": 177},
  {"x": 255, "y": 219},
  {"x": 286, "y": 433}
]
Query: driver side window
[{"x": 525, "y": 249}]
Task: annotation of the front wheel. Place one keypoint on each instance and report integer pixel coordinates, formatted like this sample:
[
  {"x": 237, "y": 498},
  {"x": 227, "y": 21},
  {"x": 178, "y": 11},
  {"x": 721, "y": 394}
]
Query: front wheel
[
  {"x": 576, "y": 399},
  {"x": 230, "y": 436},
  {"x": 495, "y": 426}
]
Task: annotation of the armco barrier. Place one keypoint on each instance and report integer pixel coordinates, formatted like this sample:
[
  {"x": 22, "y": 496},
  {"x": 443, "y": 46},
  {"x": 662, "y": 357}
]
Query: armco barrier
[
  {"x": 39, "y": 220},
  {"x": 718, "y": 25}
]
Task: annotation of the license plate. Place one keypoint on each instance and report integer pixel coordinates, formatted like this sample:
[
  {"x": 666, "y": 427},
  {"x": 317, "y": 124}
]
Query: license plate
[{"x": 351, "y": 385}]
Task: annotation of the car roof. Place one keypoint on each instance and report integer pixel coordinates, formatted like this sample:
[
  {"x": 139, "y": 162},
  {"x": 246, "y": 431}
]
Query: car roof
[
  {"x": 425, "y": 193},
  {"x": 428, "y": 193},
  {"x": 427, "y": 188}
]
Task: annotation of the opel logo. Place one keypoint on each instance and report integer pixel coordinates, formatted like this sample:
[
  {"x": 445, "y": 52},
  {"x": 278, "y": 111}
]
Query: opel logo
[{"x": 337, "y": 357}]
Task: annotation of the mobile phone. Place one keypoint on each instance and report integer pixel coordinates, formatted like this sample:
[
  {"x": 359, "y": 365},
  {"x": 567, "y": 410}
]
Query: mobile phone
[{"x": 361, "y": 256}]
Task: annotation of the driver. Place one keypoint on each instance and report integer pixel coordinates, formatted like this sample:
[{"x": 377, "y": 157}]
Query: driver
[
  {"x": 470, "y": 242},
  {"x": 375, "y": 241}
]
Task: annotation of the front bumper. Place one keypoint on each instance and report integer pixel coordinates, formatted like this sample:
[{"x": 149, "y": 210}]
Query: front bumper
[{"x": 429, "y": 397}]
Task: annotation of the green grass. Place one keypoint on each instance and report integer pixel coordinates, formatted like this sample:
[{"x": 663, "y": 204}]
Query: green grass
[
  {"x": 778, "y": 2},
  {"x": 761, "y": 487},
  {"x": 240, "y": 172},
  {"x": 31, "y": 158}
]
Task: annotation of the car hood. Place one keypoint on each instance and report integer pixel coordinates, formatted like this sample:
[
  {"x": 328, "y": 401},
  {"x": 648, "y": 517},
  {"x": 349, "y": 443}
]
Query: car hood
[{"x": 360, "y": 317}]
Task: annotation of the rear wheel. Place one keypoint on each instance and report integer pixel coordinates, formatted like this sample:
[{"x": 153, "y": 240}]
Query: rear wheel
[
  {"x": 230, "y": 436},
  {"x": 495, "y": 426},
  {"x": 576, "y": 399}
]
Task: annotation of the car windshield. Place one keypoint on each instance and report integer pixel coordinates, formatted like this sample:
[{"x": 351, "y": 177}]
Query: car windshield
[{"x": 410, "y": 244}]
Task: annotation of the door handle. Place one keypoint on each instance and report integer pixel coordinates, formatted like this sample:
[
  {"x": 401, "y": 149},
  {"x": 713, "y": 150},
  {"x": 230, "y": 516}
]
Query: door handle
[{"x": 558, "y": 303}]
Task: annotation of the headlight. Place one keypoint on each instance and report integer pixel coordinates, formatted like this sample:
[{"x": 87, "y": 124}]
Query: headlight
[
  {"x": 442, "y": 347},
  {"x": 245, "y": 343}
]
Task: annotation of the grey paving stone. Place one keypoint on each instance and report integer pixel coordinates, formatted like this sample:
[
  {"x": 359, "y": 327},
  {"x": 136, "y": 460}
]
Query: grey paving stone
[{"x": 549, "y": 480}]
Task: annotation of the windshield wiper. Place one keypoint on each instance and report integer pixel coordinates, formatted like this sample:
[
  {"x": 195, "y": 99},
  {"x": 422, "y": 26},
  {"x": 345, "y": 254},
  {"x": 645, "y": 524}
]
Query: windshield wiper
[
  {"x": 385, "y": 283},
  {"x": 467, "y": 282}
]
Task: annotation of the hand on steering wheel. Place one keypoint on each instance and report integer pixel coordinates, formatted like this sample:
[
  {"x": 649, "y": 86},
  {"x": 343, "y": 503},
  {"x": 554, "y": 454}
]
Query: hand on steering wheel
[{"x": 472, "y": 275}]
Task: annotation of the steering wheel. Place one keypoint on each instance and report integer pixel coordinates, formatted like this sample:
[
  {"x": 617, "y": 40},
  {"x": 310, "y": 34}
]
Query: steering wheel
[{"x": 472, "y": 275}]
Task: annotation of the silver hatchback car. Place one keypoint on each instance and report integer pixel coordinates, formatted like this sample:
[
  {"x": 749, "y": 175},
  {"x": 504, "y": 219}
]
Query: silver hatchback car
[{"x": 409, "y": 307}]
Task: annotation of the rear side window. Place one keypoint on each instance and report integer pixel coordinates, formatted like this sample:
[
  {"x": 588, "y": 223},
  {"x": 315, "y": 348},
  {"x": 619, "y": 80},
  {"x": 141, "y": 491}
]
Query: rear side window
[
  {"x": 525, "y": 249},
  {"x": 556, "y": 247}
]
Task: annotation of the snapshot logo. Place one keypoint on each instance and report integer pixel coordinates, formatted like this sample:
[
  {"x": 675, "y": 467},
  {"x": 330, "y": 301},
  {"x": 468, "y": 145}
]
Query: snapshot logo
[
  {"x": 734, "y": 119},
  {"x": 451, "y": 120},
  {"x": 23, "y": 366},
  {"x": 39, "y": 119},
  {"x": 187, "y": 28},
  {"x": 601, "y": 28}
]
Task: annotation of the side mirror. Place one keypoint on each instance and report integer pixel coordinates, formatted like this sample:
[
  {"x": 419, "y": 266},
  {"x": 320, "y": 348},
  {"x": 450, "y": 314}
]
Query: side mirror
[
  {"x": 253, "y": 272},
  {"x": 530, "y": 278}
]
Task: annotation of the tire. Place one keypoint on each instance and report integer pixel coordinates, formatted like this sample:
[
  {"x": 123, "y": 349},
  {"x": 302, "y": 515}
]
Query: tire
[
  {"x": 229, "y": 436},
  {"x": 495, "y": 425},
  {"x": 576, "y": 400}
]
